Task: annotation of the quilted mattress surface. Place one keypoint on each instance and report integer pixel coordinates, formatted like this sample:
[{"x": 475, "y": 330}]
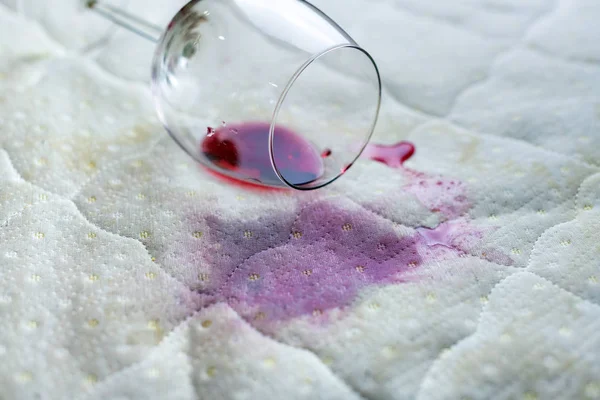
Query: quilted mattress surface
[{"x": 472, "y": 272}]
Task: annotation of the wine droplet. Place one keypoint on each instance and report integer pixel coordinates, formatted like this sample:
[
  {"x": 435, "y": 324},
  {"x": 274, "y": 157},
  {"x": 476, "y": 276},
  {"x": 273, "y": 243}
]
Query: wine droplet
[{"x": 391, "y": 155}]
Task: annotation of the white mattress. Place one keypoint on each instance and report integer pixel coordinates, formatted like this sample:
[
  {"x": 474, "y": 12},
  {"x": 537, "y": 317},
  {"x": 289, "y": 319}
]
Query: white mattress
[{"x": 128, "y": 273}]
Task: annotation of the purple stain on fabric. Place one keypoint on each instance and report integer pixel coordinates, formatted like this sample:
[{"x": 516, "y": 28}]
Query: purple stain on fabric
[
  {"x": 438, "y": 194},
  {"x": 278, "y": 267},
  {"x": 442, "y": 195},
  {"x": 304, "y": 262},
  {"x": 332, "y": 253}
]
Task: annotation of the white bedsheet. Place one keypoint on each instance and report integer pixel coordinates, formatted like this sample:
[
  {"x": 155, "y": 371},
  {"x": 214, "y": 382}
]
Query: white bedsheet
[{"x": 126, "y": 272}]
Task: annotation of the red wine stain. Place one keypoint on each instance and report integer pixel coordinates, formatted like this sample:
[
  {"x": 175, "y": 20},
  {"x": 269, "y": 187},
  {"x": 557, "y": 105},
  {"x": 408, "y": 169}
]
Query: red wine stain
[
  {"x": 297, "y": 262},
  {"x": 462, "y": 237},
  {"x": 393, "y": 155},
  {"x": 326, "y": 153},
  {"x": 448, "y": 197},
  {"x": 241, "y": 152}
]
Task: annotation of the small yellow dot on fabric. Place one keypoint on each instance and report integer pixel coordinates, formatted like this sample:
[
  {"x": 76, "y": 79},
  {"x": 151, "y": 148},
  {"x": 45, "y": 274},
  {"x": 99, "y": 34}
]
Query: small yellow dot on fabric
[
  {"x": 541, "y": 211},
  {"x": 190, "y": 193},
  {"x": 32, "y": 324},
  {"x": 153, "y": 373},
  {"x": 153, "y": 259},
  {"x": 515, "y": 251},
  {"x": 592, "y": 390},
  {"x": 493, "y": 217},
  {"x": 505, "y": 338},
  {"x": 388, "y": 351},
  {"x": 91, "y": 199},
  {"x": 36, "y": 278},
  {"x": 307, "y": 272},
  {"x": 238, "y": 197},
  {"x": 153, "y": 324},
  {"x": 93, "y": 277},
  {"x": 197, "y": 234},
  {"x": 360, "y": 268},
  {"x": 91, "y": 235},
  {"x": 483, "y": 299},
  {"x": 316, "y": 312},
  {"x": 260, "y": 315},
  {"x": 203, "y": 277},
  {"x": 327, "y": 360},
  {"x": 206, "y": 323},
  {"x": 588, "y": 207},
  {"x": 374, "y": 306},
  {"x": 538, "y": 286},
  {"x": 347, "y": 227},
  {"x": 150, "y": 275},
  {"x": 211, "y": 371},
  {"x": 248, "y": 234},
  {"x": 430, "y": 297},
  {"x": 565, "y": 242},
  {"x": 137, "y": 163},
  {"x": 269, "y": 362},
  {"x": 43, "y": 197},
  {"x": 297, "y": 235},
  {"x": 39, "y": 235},
  {"x": 91, "y": 379},
  {"x": 93, "y": 322},
  {"x": 92, "y": 165},
  {"x": 24, "y": 377},
  {"x": 144, "y": 234},
  {"x": 593, "y": 280},
  {"x": 253, "y": 277},
  {"x": 141, "y": 196},
  {"x": 564, "y": 331},
  {"x": 529, "y": 396}
]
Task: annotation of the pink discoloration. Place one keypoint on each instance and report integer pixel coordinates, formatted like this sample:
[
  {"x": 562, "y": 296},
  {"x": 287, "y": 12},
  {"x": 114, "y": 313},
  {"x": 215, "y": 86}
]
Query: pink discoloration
[
  {"x": 393, "y": 155},
  {"x": 439, "y": 194},
  {"x": 304, "y": 262},
  {"x": 332, "y": 253},
  {"x": 444, "y": 235},
  {"x": 276, "y": 268},
  {"x": 460, "y": 237},
  {"x": 445, "y": 196}
]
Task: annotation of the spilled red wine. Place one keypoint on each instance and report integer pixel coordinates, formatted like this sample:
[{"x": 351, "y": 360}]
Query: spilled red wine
[
  {"x": 241, "y": 151},
  {"x": 393, "y": 155}
]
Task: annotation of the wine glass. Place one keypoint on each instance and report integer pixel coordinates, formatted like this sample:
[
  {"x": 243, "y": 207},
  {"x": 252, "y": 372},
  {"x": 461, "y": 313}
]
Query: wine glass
[{"x": 272, "y": 93}]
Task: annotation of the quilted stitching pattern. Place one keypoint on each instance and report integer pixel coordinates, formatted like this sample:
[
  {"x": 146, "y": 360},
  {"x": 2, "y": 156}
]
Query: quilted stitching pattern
[{"x": 139, "y": 279}]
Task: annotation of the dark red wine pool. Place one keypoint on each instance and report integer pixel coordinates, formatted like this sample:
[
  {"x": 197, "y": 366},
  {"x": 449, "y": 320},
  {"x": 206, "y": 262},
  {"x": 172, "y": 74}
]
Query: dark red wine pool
[{"x": 242, "y": 151}]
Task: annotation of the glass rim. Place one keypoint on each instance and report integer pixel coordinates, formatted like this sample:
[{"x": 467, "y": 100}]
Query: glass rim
[
  {"x": 348, "y": 43},
  {"x": 288, "y": 87}
]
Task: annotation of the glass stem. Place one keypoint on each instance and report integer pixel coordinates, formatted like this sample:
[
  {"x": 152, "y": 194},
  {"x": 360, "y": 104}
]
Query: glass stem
[{"x": 126, "y": 20}]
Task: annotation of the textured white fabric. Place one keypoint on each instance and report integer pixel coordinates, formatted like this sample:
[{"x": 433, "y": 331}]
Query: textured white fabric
[{"x": 111, "y": 237}]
